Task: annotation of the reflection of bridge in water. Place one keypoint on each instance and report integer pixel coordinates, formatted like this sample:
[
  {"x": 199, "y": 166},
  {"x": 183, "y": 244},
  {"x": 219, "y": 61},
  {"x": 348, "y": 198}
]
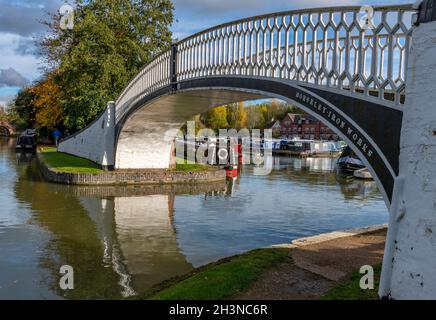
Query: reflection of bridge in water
[
  {"x": 138, "y": 231},
  {"x": 120, "y": 240},
  {"x": 139, "y": 239}
]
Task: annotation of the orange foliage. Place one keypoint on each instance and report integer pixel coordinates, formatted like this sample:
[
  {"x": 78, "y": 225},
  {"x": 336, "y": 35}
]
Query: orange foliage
[{"x": 48, "y": 112}]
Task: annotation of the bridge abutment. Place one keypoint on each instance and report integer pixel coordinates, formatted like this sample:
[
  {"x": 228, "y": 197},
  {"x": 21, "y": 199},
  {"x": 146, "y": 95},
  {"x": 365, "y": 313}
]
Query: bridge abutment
[
  {"x": 96, "y": 142},
  {"x": 410, "y": 256}
]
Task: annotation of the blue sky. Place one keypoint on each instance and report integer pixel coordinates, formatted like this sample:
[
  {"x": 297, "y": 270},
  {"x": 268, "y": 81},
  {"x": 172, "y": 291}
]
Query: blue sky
[{"x": 19, "y": 26}]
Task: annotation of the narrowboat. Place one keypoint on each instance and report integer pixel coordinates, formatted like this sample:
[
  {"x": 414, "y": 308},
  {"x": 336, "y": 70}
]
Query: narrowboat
[
  {"x": 349, "y": 162},
  {"x": 26, "y": 142},
  {"x": 307, "y": 148}
]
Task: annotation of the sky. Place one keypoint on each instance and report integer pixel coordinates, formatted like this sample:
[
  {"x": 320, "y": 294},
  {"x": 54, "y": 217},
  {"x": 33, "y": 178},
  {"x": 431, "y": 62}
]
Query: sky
[{"x": 20, "y": 27}]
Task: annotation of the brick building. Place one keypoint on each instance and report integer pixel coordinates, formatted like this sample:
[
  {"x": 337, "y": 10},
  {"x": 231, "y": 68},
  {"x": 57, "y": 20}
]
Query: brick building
[{"x": 305, "y": 127}]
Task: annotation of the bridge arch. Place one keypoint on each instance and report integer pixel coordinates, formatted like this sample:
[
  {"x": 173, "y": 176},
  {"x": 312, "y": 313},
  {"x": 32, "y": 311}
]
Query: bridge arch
[
  {"x": 144, "y": 137},
  {"x": 6, "y": 129}
]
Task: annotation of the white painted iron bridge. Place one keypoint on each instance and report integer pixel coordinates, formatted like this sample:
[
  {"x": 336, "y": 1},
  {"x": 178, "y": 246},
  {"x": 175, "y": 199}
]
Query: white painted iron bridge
[
  {"x": 347, "y": 71},
  {"x": 329, "y": 47}
]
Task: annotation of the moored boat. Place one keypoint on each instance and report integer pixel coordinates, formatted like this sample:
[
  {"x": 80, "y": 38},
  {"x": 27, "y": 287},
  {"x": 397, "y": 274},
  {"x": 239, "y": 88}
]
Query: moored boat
[
  {"x": 307, "y": 148},
  {"x": 26, "y": 142},
  {"x": 349, "y": 162}
]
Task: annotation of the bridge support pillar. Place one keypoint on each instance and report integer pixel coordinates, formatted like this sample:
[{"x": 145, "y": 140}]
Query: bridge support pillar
[{"x": 410, "y": 257}]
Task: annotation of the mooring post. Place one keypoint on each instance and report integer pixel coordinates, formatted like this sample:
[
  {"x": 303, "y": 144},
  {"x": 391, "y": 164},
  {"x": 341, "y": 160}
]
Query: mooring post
[{"x": 410, "y": 257}]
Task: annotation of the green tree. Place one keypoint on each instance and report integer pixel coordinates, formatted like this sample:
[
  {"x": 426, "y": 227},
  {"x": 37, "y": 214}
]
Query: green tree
[
  {"x": 22, "y": 109},
  {"x": 111, "y": 40}
]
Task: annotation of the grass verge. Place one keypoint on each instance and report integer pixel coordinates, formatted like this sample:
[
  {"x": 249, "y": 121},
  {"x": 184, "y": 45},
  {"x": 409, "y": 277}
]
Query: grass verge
[
  {"x": 350, "y": 289},
  {"x": 63, "y": 162},
  {"x": 189, "y": 166},
  {"x": 223, "y": 279}
]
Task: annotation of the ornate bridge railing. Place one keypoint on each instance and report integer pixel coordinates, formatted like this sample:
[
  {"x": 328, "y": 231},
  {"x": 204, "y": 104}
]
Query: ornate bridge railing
[
  {"x": 329, "y": 47},
  {"x": 154, "y": 76}
]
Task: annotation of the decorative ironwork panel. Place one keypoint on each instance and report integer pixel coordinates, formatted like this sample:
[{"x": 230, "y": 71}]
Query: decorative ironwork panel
[
  {"x": 153, "y": 76},
  {"x": 329, "y": 47}
]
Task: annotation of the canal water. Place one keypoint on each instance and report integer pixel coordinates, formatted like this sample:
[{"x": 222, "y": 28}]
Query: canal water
[{"x": 123, "y": 240}]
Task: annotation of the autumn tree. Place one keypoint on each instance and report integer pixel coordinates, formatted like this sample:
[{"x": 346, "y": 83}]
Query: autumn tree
[
  {"x": 237, "y": 115},
  {"x": 46, "y": 103}
]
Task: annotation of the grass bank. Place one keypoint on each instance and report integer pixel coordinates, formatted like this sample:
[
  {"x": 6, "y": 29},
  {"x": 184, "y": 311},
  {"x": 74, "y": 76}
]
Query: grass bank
[
  {"x": 350, "y": 288},
  {"x": 224, "y": 279},
  {"x": 63, "y": 162},
  {"x": 189, "y": 166},
  {"x": 232, "y": 276}
]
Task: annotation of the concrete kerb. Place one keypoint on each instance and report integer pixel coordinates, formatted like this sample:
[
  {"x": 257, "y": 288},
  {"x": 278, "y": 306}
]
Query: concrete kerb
[{"x": 307, "y": 241}]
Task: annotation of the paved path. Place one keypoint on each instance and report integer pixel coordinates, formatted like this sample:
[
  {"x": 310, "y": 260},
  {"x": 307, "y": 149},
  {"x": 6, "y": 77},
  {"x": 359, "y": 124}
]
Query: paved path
[{"x": 318, "y": 266}]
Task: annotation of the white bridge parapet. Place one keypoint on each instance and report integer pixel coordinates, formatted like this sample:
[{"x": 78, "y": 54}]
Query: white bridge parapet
[{"x": 96, "y": 142}]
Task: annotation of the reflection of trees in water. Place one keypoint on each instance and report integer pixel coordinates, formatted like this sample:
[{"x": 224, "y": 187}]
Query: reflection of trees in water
[{"x": 119, "y": 240}]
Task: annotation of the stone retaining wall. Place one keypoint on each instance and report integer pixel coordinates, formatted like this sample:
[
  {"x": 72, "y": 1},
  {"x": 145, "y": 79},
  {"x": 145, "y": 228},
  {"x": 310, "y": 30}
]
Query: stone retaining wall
[
  {"x": 102, "y": 191},
  {"x": 131, "y": 177}
]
